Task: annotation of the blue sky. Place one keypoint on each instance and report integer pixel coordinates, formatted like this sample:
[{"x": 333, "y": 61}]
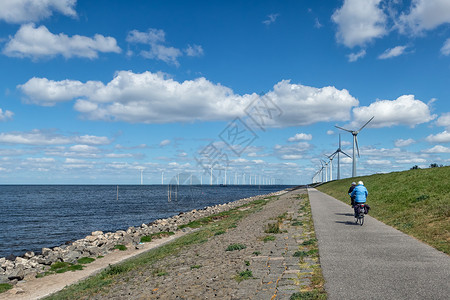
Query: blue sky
[{"x": 93, "y": 92}]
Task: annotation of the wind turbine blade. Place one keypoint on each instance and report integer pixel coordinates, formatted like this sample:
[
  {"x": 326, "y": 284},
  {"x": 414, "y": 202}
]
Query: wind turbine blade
[
  {"x": 343, "y": 129},
  {"x": 366, "y": 123},
  {"x": 357, "y": 147},
  {"x": 345, "y": 154}
]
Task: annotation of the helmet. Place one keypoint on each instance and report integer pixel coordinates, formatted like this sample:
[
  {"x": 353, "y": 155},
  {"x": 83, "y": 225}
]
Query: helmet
[
  {"x": 353, "y": 183},
  {"x": 360, "y": 183}
]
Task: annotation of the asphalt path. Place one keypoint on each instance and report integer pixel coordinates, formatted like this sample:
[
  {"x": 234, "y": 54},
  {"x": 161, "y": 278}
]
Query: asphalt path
[{"x": 374, "y": 261}]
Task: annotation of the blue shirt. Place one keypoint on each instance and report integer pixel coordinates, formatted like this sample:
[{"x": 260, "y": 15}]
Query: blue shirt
[{"x": 360, "y": 193}]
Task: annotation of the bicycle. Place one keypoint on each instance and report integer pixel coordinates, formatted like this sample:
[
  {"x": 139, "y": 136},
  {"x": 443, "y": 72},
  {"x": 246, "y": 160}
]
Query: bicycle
[{"x": 359, "y": 214}]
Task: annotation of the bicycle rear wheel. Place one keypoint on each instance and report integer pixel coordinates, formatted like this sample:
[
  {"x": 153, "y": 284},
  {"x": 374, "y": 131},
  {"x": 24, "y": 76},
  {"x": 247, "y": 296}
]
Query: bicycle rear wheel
[{"x": 361, "y": 220}]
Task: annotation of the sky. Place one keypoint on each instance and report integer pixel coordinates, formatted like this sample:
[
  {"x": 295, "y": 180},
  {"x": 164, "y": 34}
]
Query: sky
[{"x": 100, "y": 92}]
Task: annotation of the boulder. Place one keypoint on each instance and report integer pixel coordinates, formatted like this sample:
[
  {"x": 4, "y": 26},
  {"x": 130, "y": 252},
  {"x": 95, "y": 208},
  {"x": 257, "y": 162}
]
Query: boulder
[
  {"x": 97, "y": 233},
  {"x": 4, "y": 278},
  {"x": 29, "y": 254},
  {"x": 16, "y": 273}
]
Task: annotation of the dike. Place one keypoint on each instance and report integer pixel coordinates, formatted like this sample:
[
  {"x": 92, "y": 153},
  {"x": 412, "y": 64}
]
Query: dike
[{"x": 98, "y": 243}]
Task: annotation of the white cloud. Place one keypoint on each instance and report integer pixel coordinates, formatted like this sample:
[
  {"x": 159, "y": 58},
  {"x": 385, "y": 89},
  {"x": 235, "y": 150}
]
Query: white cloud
[
  {"x": 36, "y": 43},
  {"x": 164, "y": 143},
  {"x": 424, "y": 15},
  {"x": 83, "y": 148},
  {"x": 41, "y": 159},
  {"x": 359, "y": 22},
  {"x": 437, "y": 149},
  {"x": 411, "y": 161},
  {"x": 155, "y": 98},
  {"x": 445, "y": 50},
  {"x": 271, "y": 19},
  {"x": 330, "y": 132},
  {"x": 40, "y": 137},
  {"x": 291, "y": 156},
  {"x": 92, "y": 140},
  {"x": 194, "y": 50},
  {"x": 352, "y": 57},
  {"x": 155, "y": 38},
  {"x": 443, "y": 137},
  {"x": 300, "y": 136},
  {"x": 405, "y": 110},
  {"x": 444, "y": 120},
  {"x": 378, "y": 162},
  {"x": 6, "y": 115},
  {"x": 403, "y": 143},
  {"x": 393, "y": 52},
  {"x": 22, "y": 11}
]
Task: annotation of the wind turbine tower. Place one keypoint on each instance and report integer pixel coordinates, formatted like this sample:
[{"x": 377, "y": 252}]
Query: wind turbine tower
[
  {"x": 331, "y": 157},
  {"x": 355, "y": 143},
  {"x": 142, "y": 179}
]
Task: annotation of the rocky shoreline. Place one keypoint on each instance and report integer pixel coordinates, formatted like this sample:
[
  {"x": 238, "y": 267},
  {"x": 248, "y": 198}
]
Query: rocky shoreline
[{"x": 100, "y": 244}]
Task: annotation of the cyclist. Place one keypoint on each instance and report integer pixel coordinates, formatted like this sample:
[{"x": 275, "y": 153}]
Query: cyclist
[
  {"x": 360, "y": 195},
  {"x": 350, "y": 190}
]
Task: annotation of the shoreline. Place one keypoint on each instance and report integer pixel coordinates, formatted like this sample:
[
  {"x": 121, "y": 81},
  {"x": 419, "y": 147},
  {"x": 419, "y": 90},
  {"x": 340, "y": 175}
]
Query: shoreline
[{"x": 98, "y": 243}]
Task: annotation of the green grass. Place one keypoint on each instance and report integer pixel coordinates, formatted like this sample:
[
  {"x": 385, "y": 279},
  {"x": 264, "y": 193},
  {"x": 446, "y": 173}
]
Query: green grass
[
  {"x": 4, "y": 287},
  {"x": 416, "y": 202},
  {"x": 196, "y": 267},
  {"x": 100, "y": 283},
  {"x": 273, "y": 228},
  {"x": 62, "y": 267},
  {"x": 146, "y": 239},
  {"x": 234, "y": 247},
  {"x": 308, "y": 295},
  {"x": 120, "y": 247},
  {"x": 269, "y": 238},
  {"x": 220, "y": 232},
  {"x": 256, "y": 253},
  {"x": 244, "y": 275},
  {"x": 85, "y": 260}
]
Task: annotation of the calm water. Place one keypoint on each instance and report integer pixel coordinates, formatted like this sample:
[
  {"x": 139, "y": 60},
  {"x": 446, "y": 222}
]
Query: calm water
[{"x": 37, "y": 216}]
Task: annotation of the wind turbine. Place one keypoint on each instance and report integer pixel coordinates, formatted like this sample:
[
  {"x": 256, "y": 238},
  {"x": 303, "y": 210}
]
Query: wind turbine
[
  {"x": 355, "y": 143},
  {"x": 331, "y": 157}
]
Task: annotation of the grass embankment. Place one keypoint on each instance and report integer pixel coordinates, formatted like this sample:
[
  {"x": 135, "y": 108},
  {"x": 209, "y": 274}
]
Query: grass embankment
[
  {"x": 209, "y": 227},
  {"x": 416, "y": 202}
]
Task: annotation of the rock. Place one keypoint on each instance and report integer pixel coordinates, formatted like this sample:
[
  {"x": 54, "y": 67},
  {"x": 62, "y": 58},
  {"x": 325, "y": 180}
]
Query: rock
[
  {"x": 29, "y": 254},
  {"x": 91, "y": 238},
  {"x": 94, "y": 251},
  {"x": 16, "y": 273},
  {"x": 4, "y": 278},
  {"x": 46, "y": 251},
  {"x": 71, "y": 256},
  {"x": 96, "y": 233}
]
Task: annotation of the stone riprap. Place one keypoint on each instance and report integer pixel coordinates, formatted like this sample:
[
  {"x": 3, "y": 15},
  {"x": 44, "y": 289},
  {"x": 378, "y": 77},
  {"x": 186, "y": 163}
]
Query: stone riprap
[{"x": 14, "y": 269}]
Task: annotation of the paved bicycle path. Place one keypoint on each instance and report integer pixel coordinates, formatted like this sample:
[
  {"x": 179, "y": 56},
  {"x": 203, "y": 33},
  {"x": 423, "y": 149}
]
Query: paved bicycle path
[{"x": 374, "y": 261}]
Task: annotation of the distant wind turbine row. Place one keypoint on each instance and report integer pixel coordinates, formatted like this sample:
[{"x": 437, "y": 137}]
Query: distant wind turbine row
[{"x": 324, "y": 164}]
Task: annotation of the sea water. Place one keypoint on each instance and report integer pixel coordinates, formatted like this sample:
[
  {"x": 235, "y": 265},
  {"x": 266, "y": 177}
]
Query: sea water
[{"x": 37, "y": 216}]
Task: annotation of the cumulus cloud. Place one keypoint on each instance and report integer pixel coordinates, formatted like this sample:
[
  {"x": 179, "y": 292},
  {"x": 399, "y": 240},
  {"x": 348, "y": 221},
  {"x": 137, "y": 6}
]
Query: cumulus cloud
[
  {"x": 40, "y": 137},
  {"x": 194, "y": 50},
  {"x": 444, "y": 120},
  {"x": 155, "y": 39},
  {"x": 352, "y": 57},
  {"x": 378, "y": 162},
  {"x": 405, "y": 110},
  {"x": 164, "y": 143},
  {"x": 424, "y": 15},
  {"x": 300, "y": 136},
  {"x": 437, "y": 149},
  {"x": 22, "y": 11},
  {"x": 39, "y": 42},
  {"x": 155, "y": 98},
  {"x": 6, "y": 115},
  {"x": 403, "y": 143},
  {"x": 359, "y": 22},
  {"x": 393, "y": 52},
  {"x": 443, "y": 137},
  {"x": 271, "y": 19},
  {"x": 445, "y": 50}
]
